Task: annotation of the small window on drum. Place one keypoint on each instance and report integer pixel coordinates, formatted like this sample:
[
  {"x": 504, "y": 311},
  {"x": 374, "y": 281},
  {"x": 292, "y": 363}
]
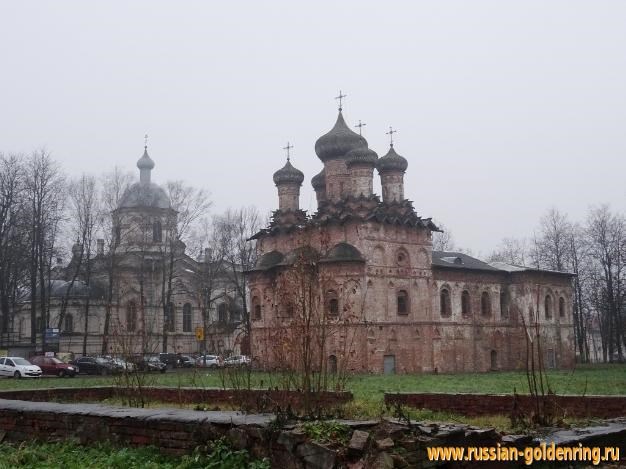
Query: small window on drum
[{"x": 403, "y": 302}]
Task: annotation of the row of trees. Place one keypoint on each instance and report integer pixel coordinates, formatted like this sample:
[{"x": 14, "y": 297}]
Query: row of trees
[
  {"x": 46, "y": 217},
  {"x": 594, "y": 249}
]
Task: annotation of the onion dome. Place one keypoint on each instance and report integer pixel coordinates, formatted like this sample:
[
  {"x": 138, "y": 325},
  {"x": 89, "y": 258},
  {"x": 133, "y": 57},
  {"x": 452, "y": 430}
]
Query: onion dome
[
  {"x": 339, "y": 141},
  {"x": 362, "y": 155},
  {"x": 319, "y": 180},
  {"x": 392, "y": 162},
  {"x": 145, "y": 162},
  {"x": 288, "y": 174}
]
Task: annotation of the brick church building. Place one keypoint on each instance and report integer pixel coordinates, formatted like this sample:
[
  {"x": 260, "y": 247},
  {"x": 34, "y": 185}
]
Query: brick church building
[{"x": 394, "y": 304}]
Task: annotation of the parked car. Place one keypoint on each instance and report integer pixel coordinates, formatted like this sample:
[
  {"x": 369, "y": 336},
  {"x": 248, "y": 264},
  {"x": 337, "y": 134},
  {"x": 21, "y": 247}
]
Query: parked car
[
  {"x": 18, "y": 367},
  {"x": 186, "y": 361},
  {"x": 151, "y": 363},
  {"x": 123, "y": 365},
  {"x": 95, "y": 366},
  {"x": 170, "y": 359},
  {"x": 54, "y": 366},
  {"x": 209, "y": 361},
  {"x": 237, "y": 360}
]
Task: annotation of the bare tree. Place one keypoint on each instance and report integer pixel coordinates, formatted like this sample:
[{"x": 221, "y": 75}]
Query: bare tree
[
  {"x": 189, "y": 205},
  {"x": 238, "y": 226},
  {"x": 45, "y": 196},
  {"x": 552, "y": 241},
  {"x": 443, "y": 240},
  {"x": 113, "y": 186},
  {"x": 13, "y": 245},
  {"x": 511, "y": 250},
  {"x": 606, "y": 234}
]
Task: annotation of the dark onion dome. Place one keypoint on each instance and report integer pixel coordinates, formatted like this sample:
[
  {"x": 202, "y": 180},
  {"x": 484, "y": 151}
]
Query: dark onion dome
[
  {"x": 288, "y": 174},
  {"x": 269, "y": 260},
  {"x": 145, "y": 195},
  {"x": 145, "y": 162},
  {"x": 343, "y": 252},
  {"x": 339, "y": 141},
  {"x": 319, "y": 180},
  {"x": 392, "y": 162},
  {"x": 362, "y": 155}
]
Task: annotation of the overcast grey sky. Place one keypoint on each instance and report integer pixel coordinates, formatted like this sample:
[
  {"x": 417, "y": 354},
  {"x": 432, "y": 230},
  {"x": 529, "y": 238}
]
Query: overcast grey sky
[{"x": 503, "y": 108}]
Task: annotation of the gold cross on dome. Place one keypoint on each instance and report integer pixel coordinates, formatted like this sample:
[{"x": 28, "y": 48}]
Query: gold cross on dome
[
  {"x": 288, "y": 147},
  {"x": 340, "y": 98},
  {"x": 390, "y": 133}
]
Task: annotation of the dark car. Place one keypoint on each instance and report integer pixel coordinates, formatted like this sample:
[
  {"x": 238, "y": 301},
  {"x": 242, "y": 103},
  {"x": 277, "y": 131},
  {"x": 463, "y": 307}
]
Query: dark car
[
  {"x": 186, "y": 361},
  {"x": 170, "y": 359},
  {"x": 54, "y": 366},
  {"x": 151, "y": 363},
  {"x": 95, "y": 366}
]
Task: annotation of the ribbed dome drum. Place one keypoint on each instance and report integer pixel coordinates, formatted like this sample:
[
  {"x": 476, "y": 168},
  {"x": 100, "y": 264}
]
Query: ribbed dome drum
[{"x": 339, "y": 141}]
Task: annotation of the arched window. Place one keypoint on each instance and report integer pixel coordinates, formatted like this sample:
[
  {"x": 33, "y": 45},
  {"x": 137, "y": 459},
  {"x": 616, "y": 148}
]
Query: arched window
[
  {"x": 333, "y": 303},
  {"x": 222, "y": 312},
  {"x": 157, "y": 232},
  {"x": 466, "y": 304},
  {"x": 504, "y": 304},
  {"x": 561, "y": 307},
  {"x": 444, "y": 303},
  {"x": 131, "y": 316},
  {"x": 403, "y": 302},
  {"x": 170, "y": 319},
  {"x": 494, "y": 360},
  {"x": 68, "y": 323},
  {"x": 548, "y": 307},
  {"x": 332, "y": 364},
  {"x": 187, "y": 317},
  {"x": 256, "y": 308},
  {"x": 485, "y": 304}
]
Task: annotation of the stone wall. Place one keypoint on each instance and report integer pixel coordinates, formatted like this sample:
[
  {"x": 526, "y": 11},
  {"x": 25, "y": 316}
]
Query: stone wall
[
  {"x": 490, "y": 404},
  {"x": 370, "y": 444},
  {"x": 251, "y": 400}
]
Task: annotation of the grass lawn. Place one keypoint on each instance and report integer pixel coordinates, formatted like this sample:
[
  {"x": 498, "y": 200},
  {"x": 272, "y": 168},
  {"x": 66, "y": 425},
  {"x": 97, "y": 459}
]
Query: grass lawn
[
  {"x": 70, "y": 455},
  {"x": 597, "y": 379},
  {"x": 368, "y": 390}
]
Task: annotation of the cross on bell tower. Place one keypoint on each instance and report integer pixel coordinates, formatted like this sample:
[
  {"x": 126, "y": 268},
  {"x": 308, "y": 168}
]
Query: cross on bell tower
[
  {"x": 390, "y": 133},
  {"x": 287, "y": 148},
  {"x": 340, "y": 98}
]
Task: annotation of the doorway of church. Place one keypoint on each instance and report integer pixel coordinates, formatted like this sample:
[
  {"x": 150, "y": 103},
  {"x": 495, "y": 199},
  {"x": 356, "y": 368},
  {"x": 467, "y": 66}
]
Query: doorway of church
[{"x": 389, "y": 364}]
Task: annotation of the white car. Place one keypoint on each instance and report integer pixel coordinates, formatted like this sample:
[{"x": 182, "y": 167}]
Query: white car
[
  {"x": 18, "y": 367},
  {"x": 208, "y": 361},
  {"x": 237, "y": 360}
]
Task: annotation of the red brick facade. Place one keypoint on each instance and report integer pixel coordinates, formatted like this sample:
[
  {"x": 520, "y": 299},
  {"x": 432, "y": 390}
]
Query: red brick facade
[{"x": 412, "y": 310}]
